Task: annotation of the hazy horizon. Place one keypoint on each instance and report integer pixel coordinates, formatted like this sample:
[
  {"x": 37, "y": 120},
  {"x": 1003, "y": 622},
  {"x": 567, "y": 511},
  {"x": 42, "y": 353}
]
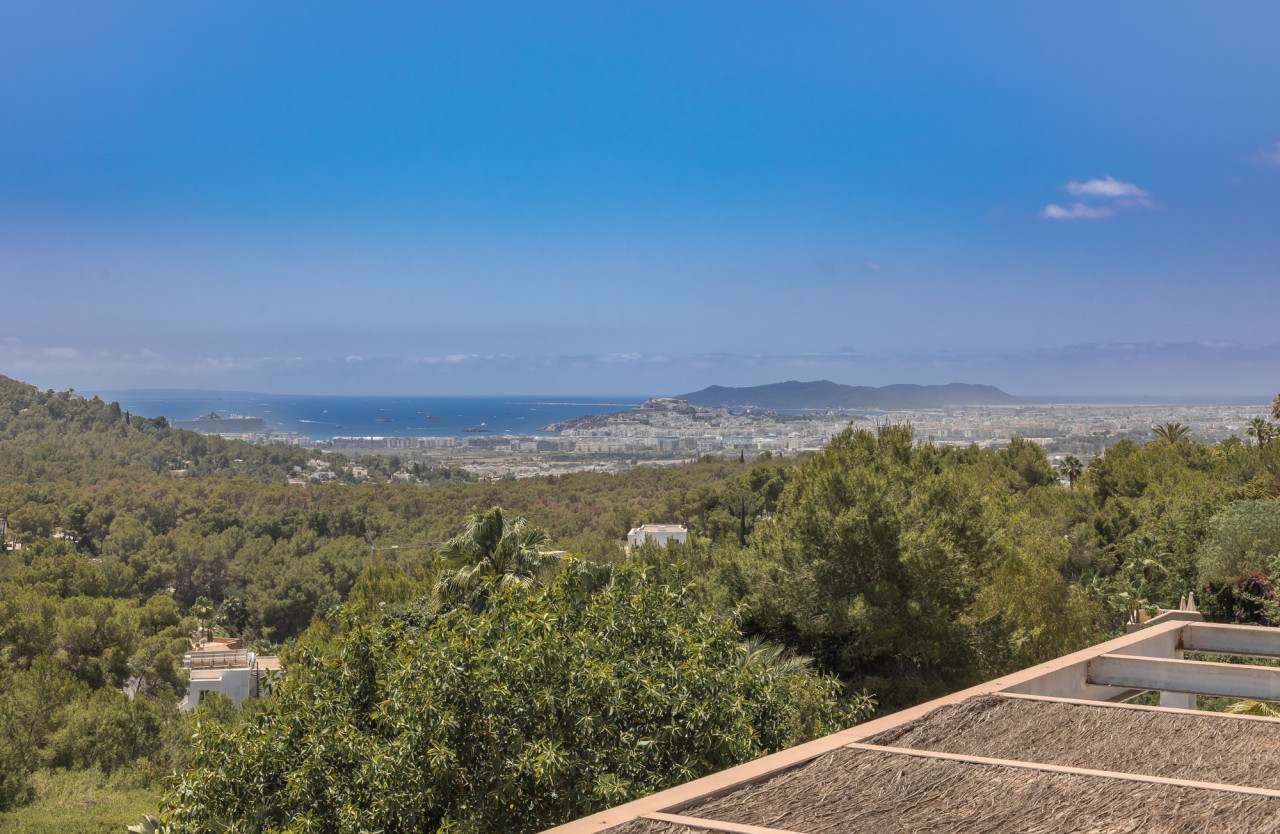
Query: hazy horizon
[
  {"x": 583, "y": 198},
  {"x": 622, "y": 397}
]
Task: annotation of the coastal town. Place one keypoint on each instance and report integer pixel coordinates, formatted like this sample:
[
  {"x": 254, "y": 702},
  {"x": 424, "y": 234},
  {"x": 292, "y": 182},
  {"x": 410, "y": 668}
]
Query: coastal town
[{"x": 667, "y": 431}]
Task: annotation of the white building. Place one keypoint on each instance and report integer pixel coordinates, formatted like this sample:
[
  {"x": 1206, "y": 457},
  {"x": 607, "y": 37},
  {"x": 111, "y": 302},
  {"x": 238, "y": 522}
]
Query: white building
[
  {"x": 660, "y": 534},
  {"x": 216, "y": 666}
]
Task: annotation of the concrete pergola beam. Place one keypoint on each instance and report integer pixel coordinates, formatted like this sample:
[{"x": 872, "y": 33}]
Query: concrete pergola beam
[
  {"x": 1228, "y": 680},
  {"x": 1215, "y": 638}
]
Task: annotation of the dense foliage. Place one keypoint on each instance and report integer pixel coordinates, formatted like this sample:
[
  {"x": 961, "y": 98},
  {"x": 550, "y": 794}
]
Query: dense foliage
[
  {"x": 63, "y": 664},
  {"x": 97, "y": 518},
  {"x": 537, "y": 707},
  {"x": 87, "y": 436},
  {"x": 902, "y": 569},
  {"x": 876, "y": 558}
]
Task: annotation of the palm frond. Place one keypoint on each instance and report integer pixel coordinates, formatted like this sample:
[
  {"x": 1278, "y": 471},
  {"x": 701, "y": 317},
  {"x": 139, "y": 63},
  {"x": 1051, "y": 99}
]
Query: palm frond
[{"x": 1252, "y": 707}]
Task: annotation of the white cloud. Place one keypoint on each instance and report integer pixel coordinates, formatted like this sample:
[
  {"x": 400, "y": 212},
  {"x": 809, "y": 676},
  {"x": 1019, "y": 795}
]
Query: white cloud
[
  {"x": 1273, "y": 155},
  {"x": 232, "y": 364},
  {"x": 355, "y": 357},
  {"x": 1108, "y": 186},
  {"x": 1105, "y": 196},
  {"x": 1076, "y": 211},
  {"x": 61, "y": 353}
]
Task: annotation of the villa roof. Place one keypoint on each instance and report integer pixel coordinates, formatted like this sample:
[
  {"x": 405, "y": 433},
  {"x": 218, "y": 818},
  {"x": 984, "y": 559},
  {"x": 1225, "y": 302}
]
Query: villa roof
[{"x": 1053, "y": 748}]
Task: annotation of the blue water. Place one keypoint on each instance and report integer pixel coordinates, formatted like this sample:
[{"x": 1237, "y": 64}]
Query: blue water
[{"x": 322, "y": 417}]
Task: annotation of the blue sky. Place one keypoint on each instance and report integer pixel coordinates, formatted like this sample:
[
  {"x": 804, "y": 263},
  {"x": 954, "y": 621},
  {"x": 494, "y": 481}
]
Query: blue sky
[{"x": 640, "y": 197}]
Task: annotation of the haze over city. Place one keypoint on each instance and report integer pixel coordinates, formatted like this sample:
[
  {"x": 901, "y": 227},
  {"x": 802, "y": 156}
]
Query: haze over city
[{"x": 640, "y": 198}]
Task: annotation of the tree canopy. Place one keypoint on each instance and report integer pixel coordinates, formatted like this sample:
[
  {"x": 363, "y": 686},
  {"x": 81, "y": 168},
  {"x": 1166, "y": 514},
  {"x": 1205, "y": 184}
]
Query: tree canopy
[{"x": 542, "y": 705}]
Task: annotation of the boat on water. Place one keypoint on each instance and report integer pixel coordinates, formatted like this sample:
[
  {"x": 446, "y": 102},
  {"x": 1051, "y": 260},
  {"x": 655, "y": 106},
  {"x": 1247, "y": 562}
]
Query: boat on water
[
  {"x": 384, "y": 419},
  {"x": 213, "y": 423}
]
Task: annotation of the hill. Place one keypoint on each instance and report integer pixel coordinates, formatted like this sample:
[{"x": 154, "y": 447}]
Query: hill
[
  {"x": 831, "y": 395},
  {"x": 96, "y": 439}
]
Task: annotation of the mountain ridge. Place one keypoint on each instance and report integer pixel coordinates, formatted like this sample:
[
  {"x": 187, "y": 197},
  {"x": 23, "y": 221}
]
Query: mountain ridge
[{"x": 825, "y": 394}]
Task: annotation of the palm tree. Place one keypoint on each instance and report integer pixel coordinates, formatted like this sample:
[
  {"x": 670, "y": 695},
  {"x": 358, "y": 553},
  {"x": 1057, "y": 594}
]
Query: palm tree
[
  {"x": 492, "y": 546},
  {"x": 1261, "y": 430},
  {"x": 1096, "y": 587},
  {"x": 1071, "y": 467},
  {"x": 1145, "y": 556},
  {"x": 203, "y": 611},
  {"x": 1252, "y": 707},
  {"x": 1172, "y": 433},
  {"x": 776, "y": 659}
]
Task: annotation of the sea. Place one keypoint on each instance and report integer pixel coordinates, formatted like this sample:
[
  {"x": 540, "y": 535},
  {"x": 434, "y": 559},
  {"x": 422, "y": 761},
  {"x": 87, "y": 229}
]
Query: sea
[{"x": 322, "y": 417}]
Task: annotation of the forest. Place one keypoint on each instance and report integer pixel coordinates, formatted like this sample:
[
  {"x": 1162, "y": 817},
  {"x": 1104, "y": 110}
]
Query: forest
[{"x": 447, "y": 669}]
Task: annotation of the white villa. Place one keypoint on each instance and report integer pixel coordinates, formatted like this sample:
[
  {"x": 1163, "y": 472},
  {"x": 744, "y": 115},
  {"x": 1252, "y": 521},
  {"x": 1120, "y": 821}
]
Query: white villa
[
  {"x": 660, "y": 534},
  {"x": 218, "y": 664}
]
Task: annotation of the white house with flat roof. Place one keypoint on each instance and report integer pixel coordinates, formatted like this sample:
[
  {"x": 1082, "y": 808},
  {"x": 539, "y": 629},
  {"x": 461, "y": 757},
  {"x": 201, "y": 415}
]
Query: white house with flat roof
[
  {"x": 220, "y": 665},
  {"x": 659, "y": 534}
]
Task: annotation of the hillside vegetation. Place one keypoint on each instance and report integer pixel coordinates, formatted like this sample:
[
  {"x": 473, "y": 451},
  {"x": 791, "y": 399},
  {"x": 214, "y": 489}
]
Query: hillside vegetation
[{"x": 879, "y": 567}]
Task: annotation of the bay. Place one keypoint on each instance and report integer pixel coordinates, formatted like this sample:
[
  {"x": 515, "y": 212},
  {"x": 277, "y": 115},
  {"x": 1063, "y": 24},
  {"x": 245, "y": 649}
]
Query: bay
[{"x": 322, "y": 417}]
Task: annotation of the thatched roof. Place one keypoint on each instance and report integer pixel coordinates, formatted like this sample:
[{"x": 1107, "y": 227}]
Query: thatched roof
[
  {"x": 655, "y": 827},
  {"x": 850, "y": 791},
  {"x": 1207, "y": 747},
  {"x": 1037, "y": 751}
]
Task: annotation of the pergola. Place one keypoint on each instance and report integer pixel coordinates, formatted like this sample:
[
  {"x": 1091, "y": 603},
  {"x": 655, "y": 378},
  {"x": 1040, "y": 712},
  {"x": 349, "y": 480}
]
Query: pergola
[{"x": 1051, "y": 748}]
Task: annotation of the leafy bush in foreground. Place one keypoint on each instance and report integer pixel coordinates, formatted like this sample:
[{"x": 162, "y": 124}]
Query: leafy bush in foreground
[{"x": 545, "y": 704}]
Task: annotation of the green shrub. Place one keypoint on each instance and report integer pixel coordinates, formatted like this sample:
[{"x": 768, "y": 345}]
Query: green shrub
[{"x": 546, "y": 704}]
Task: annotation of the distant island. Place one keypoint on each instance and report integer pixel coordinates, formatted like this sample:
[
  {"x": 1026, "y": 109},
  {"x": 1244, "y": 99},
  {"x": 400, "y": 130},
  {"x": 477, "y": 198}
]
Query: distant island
[
  {"x": 825, "y": 394},
  {"x": 212, "y": 423}
]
